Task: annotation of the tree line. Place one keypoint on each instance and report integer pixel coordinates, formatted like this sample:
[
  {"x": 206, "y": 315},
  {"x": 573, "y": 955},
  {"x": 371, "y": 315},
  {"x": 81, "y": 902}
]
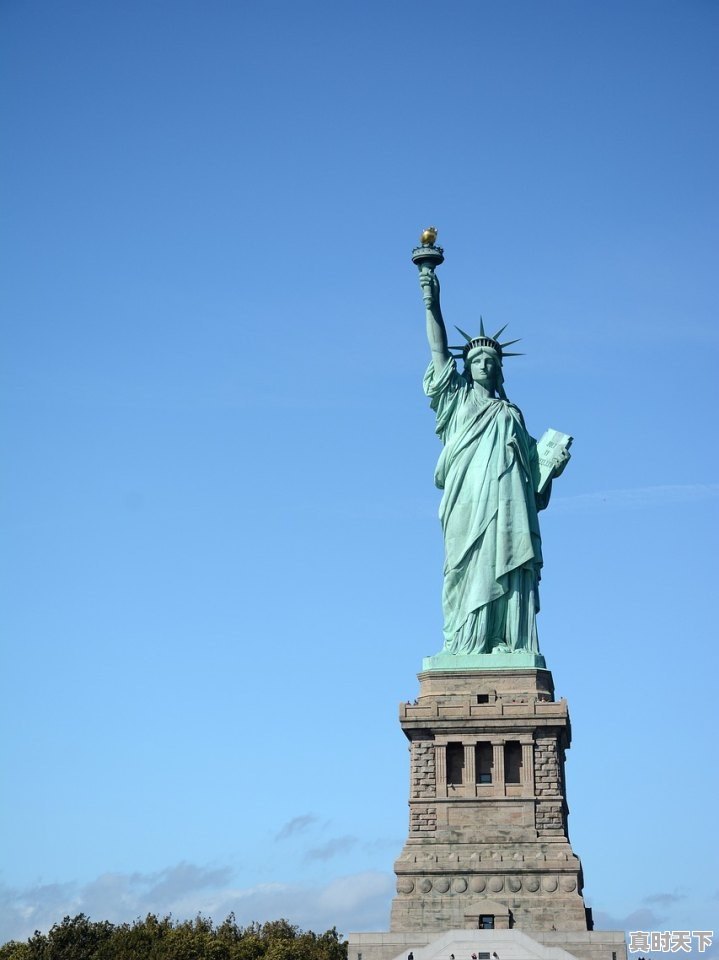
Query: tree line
[{"x": 162, "y": 938}]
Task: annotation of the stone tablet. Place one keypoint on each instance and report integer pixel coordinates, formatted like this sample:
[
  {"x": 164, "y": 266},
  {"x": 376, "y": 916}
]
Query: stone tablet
[{"x": 551, "y": 451}]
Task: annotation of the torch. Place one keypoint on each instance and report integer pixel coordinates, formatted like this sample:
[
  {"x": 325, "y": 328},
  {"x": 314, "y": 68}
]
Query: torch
[{"x": 427, "y": 257}]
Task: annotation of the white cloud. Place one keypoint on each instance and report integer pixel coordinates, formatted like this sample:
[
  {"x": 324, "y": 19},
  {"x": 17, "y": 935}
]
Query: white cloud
[{"x": 356, "y": 902}]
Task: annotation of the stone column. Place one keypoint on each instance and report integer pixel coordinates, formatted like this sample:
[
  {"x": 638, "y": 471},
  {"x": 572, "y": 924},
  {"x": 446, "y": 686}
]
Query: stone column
[
  {"x": 470, "y": 774},
  {"x": 440, "y": 760},
  {"x": 498, "y": 769},
  {"x": 528, "y": 766}
]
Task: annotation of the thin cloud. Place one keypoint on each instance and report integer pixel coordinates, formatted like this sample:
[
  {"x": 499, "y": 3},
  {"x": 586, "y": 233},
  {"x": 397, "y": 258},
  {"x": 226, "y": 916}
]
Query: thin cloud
[
  {"x": 637, "y": 497},
  {"x": 331, "y": 849},
  {"x": 642, "y": 919},
  {"x": 352, "y": 903},
  {"x": 296, "y": 825},
  {"x": 664, "y": 899},
  {"x": 381, "y": 844}
]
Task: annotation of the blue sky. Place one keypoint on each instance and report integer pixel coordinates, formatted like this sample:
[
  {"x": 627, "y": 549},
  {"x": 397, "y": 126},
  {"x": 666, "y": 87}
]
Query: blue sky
[{"x": 221, "y": 561}]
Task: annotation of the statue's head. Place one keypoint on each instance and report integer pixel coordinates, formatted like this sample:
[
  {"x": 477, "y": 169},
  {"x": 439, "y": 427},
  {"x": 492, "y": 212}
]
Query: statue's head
[
  {"x": 483, "y": 356},
  {"x": 483, "y": 365}
]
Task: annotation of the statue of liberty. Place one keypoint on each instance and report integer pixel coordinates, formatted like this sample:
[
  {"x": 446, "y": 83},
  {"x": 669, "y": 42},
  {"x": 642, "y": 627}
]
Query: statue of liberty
[{"x": 494, "y": 484}]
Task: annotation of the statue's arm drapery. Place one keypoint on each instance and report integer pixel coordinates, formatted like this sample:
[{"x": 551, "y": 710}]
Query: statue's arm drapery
[{"x": 445, "y": 388}]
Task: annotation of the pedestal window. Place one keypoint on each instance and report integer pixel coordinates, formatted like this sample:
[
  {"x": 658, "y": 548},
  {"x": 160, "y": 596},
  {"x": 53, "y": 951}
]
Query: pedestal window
[
  {"x": 513, "y": 762},
  {"x": 483, "y": 762},
  {"x": 455, "y": 762}
]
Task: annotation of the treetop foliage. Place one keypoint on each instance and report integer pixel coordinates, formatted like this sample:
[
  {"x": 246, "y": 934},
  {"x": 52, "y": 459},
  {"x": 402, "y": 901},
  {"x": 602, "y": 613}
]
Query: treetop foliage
[{"x": 162, "y": 938}]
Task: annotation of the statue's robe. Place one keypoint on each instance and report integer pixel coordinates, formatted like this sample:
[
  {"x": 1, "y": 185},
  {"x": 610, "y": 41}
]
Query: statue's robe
[{"x": 489, "y": 473}]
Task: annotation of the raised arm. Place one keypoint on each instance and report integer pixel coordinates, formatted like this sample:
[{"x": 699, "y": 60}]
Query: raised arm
[{"x": 436, "y": 332}]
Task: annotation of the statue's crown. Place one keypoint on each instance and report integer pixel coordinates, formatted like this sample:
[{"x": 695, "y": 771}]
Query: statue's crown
[{"x": 484, "y": 340}]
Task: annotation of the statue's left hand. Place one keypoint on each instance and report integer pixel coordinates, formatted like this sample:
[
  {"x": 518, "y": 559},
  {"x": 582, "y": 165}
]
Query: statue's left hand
[{"x": 559, "y": 469}]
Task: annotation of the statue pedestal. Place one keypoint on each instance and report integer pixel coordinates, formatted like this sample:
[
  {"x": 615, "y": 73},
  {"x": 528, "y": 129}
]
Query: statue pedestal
[{"x": 488, "y": 811}]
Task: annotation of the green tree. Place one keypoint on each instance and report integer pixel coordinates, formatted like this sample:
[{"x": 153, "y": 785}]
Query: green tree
[
  {"x": 162, "y": 938},
  {"x": 14, "y": 950}
]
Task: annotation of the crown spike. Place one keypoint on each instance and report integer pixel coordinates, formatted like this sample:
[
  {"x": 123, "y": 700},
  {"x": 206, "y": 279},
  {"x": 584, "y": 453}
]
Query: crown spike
[
  {"x": 465, "y": 335},
  {"x": 508, "y": 343},
  {"x": 498, "y": 334},
  {"x": 512, "y": 354},
  {"x": 481, "y": 328}
]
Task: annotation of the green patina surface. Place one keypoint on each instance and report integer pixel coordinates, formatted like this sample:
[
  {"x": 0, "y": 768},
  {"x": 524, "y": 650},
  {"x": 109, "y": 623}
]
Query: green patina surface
[
  {"x": 493, "y": 489},
  {"x": 519, "y": 660}
]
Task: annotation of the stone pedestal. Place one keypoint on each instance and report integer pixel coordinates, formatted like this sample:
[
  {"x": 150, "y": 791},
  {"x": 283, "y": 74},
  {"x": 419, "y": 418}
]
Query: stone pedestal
[{"x": 488, "y": 843}]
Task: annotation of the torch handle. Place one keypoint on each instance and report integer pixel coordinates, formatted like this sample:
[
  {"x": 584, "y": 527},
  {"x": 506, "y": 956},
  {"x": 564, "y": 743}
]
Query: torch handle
[{"x": 427, "y": 270}]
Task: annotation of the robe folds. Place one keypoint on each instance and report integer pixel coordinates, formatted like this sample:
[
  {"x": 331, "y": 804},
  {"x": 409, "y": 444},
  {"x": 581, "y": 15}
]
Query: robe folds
[{"x": 489, "y": 473}]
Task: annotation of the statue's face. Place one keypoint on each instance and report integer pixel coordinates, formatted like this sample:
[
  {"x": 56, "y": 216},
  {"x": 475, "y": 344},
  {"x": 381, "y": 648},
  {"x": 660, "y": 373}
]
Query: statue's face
[{"x": 484, "y": 367}]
